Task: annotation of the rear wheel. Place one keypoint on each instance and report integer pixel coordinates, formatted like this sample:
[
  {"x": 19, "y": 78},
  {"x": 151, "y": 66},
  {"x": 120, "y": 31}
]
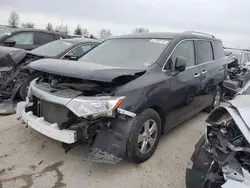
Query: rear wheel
[
  {"x": 216, "y": 100},
  {"x": 144, "y": 136}
]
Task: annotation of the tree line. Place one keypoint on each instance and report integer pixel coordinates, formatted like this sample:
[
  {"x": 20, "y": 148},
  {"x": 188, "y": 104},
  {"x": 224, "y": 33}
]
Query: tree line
[{"x": 14, "y": 22}]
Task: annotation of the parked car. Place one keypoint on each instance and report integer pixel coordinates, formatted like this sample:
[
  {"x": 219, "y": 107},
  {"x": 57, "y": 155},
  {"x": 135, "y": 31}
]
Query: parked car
[
  {"x": 28, "y": 39},
  {"x": 221, "y": 156},
  {"x": 15, "y": 76},
  {"x": 242, "y": 55},
  {"x": 120, "y": 96}
]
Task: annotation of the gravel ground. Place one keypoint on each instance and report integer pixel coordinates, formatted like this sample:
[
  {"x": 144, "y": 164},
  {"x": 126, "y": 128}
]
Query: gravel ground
[{"x": 29, "y": 159}]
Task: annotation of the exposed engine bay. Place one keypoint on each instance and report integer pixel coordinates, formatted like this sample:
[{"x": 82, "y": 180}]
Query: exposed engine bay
[
  {"x": 229, "y": 149},
  {"x": 77, "y": 112}
]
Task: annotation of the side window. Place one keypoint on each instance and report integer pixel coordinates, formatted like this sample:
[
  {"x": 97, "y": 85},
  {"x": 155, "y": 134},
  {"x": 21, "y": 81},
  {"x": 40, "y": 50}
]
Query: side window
[
  {"x": 80, "y": 50},
  {"x": 43, "y": 38},
  {"x": 22, "y": 38},
  {"x": 186, "y": 50},
  {"x": 218, "y": 50},
  {"x": 204, "y": 51}
]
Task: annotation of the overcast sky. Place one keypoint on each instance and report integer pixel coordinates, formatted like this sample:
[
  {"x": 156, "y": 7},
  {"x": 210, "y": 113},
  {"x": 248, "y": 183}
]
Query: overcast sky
[{"x": 227, "y": 19}]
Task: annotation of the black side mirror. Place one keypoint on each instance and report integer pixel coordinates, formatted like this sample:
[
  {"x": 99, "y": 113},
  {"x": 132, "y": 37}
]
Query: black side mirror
[
  {"x": 71, "y": 57},
  {"x": 10, "y": 43},
  {"x": 180, "y": 64}
]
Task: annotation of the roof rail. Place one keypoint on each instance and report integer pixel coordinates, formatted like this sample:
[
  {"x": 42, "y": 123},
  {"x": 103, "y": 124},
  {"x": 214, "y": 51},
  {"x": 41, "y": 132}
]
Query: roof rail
[{"x": 199, "y": 33}]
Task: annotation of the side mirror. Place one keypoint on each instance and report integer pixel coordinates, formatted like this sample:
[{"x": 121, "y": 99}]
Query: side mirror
[
  {"x": 71, "y": 57},
  {"x": 10, "y": 43},
  {"x": 180, "y": 64}
]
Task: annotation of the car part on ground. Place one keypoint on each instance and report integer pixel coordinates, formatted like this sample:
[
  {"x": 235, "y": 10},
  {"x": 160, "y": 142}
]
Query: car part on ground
[
  {"x": 222, "y": 155},
  {"x": 119, "y": 97}
]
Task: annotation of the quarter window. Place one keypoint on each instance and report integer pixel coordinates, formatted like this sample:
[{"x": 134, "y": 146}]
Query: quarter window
[
  {"x": 186, "y": 50},
  {"x": 23, "y": 38},
  {"x": 204, "y": 51},
  {"x": 80, "y": 50},
  {"x": 218, "y": 50}
]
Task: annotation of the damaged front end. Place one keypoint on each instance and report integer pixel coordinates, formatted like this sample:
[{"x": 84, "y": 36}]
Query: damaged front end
[
  {"x": 75, "y": 112},
  {"x": 222, "y": 159}
]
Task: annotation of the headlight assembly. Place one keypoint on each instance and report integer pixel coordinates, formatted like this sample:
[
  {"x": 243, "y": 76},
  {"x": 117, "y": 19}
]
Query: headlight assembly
[{"x": 86, "y": 106}]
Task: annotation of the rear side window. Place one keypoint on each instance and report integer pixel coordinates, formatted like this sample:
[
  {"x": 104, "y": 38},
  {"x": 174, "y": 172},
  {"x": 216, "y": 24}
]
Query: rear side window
[
  {"x": 186, "y": 50},
  {"x": 43, "y": 38},
  {"x": 218, "y": 50},
  {"x": 204, "y": 51}
]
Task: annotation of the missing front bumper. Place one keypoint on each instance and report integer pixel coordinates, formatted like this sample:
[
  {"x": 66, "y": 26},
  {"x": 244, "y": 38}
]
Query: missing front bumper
[{"x": 40, "y": 125}]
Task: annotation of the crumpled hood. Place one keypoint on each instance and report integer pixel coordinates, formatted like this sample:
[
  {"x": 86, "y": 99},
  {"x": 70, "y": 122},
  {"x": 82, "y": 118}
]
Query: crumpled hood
[
  {"x": 242, "y": 103},
  {"x": 82, "y": 70},
  {"x": 11, "y": 56}
]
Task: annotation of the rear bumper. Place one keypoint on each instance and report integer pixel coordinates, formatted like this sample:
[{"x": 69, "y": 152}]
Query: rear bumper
[{"x": 44, "y": 127}]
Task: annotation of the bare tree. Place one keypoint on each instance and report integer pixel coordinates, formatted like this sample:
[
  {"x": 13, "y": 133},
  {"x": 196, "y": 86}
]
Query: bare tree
[
  {"x": 78, "y": 30},
  {"x": 49, "y": 27},
  {"x": 85, "y": 32},
  {"x": 28, "y": 25},
  {"x": 141, "y": 30},
  {"x": 104, "y": 33},
  {"x": 14, "y": 19},
  {"x": 62, "y": 29}
]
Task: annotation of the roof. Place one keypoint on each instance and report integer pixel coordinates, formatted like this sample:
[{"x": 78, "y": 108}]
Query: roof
[
  {"x": 81, "y": 40},
  {"x": 159, "y": 35},
  {"x": 169, "y": 35},
  {"x": 41, "y": 30}
]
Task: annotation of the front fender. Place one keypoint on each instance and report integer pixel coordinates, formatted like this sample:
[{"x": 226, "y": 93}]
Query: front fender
[{"x": 217, "y": 113}]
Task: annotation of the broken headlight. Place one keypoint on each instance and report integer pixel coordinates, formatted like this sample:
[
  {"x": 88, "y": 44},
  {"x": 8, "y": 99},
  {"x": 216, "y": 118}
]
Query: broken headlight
[{"x": 87, "y": 106}]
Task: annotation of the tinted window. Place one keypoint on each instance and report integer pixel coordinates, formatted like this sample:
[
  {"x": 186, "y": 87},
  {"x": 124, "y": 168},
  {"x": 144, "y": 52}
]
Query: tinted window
[
  {"x": 204, "y": 51},
  {"x": 135, "y": 53},
  {"x": 186, "y": 50},
  {"x": 43, "y": 38},
  {"x": 23, "y": 38},
  {"x": 80, "y": 50},
  {"x": 218, "y": 50},
  {"x": 53, "y": 48}
]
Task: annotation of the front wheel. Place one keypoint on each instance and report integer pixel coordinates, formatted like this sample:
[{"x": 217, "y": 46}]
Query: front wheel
[{"x": 144, "y": 136}]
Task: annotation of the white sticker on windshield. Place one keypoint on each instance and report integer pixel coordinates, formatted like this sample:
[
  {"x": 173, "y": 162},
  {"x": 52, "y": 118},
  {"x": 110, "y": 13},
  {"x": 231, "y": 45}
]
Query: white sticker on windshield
[{"x": 159, "y": 41}]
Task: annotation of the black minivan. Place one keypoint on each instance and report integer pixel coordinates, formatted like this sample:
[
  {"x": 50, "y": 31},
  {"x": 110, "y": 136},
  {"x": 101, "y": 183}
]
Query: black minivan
[{"x": 124, "y": 93}]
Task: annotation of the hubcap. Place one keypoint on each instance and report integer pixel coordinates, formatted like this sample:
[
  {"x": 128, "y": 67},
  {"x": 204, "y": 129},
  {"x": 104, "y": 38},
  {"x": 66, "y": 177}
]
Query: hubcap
[
  {"x": 217, "y": 99},
  {"x": 147, "y": 136}
]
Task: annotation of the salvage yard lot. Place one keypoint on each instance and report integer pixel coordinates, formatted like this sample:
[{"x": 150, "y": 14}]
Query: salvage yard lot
[{"x": 29, "y": 159}]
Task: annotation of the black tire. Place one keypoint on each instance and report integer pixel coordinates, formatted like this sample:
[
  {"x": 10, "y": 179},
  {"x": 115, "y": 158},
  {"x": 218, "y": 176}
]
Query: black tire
[
  {"x": 212, "y": 106},
  {"x": 24, "y": 88},
  {"x": 132, "y": 151}
]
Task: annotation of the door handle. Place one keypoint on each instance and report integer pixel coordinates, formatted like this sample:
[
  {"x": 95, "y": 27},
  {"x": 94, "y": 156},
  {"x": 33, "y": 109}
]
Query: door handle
[
  {"x": 196, "y": 75},
  {"x": 204, "y": 72}
]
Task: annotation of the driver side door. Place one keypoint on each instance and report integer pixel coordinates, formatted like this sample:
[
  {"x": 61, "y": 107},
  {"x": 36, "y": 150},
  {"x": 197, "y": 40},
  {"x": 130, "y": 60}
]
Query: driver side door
[{"x": 185, "y": 86}]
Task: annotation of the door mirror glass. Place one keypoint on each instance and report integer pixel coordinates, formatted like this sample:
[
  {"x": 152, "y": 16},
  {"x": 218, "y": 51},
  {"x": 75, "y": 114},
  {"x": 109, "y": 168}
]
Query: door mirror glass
[
  {"x": 10, "y": 43},
  {"x": 180, "y": 64}
]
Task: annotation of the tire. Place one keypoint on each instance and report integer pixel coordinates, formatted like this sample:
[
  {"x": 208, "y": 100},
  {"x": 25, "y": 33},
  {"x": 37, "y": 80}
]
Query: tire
[
  {"x": 24, "y": 88},
  {"x": 136, "y": 152},
  {"x": 215, "y": 95}
]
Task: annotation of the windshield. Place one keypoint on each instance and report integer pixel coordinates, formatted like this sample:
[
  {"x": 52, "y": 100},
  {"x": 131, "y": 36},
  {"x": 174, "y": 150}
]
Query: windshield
[
  {"x": 133, "y": 53},
  {"x": 53, "y": 48},
  {"x": 5, "y": 32}
]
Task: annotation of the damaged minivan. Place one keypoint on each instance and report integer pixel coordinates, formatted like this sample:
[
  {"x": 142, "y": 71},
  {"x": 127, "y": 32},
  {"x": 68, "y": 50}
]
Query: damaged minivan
[{"x": 122, "y": 95}]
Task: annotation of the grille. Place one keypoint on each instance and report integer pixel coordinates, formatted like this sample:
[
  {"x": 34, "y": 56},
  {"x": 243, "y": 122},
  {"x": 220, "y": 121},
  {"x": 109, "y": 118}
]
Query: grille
[{"x": 54, "y": 113}]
